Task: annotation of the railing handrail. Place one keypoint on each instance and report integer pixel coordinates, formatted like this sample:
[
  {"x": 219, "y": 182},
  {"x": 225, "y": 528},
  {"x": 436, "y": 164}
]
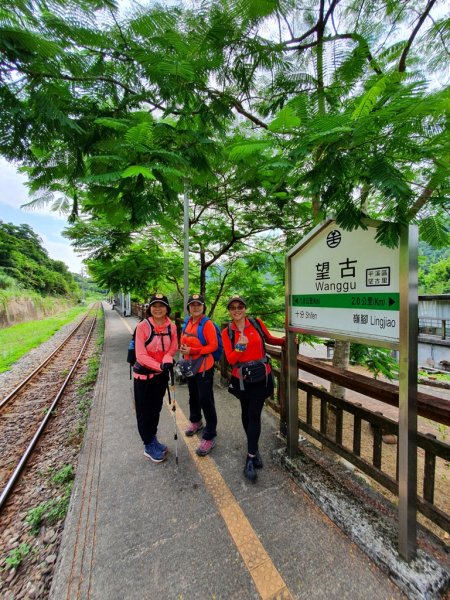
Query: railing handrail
[{"x": 429, "y": 406}]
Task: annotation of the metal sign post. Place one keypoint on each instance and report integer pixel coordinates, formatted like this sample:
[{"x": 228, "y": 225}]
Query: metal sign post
[
  {"x": 292, "y": 375},
  {"x": 407, "y": 423},
  {"x": 345, "y": 285}
]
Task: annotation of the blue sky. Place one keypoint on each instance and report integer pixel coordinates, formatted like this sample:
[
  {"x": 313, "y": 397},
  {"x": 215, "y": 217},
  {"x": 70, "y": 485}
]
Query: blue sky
[{"x": 47, "y": 225}]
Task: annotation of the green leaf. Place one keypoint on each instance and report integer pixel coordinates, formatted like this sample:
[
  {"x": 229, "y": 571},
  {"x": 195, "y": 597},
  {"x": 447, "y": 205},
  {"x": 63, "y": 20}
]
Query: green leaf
[
  {"x": 136, "y": 170},
  {"x": 246, "y": 149},
  {"x": 286, "y": 120}
]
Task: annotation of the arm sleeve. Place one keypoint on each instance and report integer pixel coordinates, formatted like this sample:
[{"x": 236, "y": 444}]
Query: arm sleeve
[
  {"x": 168, "y": 357},
  {"x": 269, "y": 338},
  {"x": 209, "y": 333},
  {"x": 142, "y": 356}
]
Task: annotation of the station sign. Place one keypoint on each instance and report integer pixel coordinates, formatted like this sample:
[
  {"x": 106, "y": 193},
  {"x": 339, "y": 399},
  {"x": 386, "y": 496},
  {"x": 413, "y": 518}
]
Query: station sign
[{"x": 345, "y": 285}]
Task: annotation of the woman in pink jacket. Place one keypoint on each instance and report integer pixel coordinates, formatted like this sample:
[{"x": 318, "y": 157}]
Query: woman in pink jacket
[{"x": 156, "y": 343}]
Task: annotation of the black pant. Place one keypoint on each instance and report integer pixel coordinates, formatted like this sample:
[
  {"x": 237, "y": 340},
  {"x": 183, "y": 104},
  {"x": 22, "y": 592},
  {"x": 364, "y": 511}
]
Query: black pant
[
  {"x": 252, "y": 401},
  {"x": 148, "y": 399},
  {"x": 201, "y": 398}
]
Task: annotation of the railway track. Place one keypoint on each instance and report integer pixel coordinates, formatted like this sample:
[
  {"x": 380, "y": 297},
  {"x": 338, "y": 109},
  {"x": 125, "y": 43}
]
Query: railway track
[{"x": 25, "y": 412}]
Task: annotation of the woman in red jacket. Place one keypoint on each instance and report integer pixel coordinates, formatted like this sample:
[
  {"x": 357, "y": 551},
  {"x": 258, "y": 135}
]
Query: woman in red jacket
[
  {"x": 251, "y": 378},
  {"x": 156, "y": 343},
  {"x": 201, "y": 395}
]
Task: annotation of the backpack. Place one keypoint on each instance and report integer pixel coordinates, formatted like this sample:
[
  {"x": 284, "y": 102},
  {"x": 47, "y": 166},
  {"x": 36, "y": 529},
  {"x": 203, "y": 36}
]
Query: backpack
[
  {"x": 255, "y": 324},
  {"x": 217, "y": 354},
  {"x": 131, "y": 354}
]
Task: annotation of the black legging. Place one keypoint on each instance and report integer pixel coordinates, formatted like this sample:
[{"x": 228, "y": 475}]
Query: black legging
[
  {"x": 148, "y": 398},
  {"x": 201, "y": 398},
  {"x": 252, "y": 402}
]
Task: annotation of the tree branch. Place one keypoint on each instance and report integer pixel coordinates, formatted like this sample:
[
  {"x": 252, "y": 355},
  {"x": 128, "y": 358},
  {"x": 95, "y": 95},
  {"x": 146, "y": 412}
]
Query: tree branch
[{"x": 402, "y": 62}]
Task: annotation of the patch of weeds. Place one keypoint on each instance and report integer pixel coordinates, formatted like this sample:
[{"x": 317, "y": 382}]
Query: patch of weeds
[
  {"x": 53, "y": 510},
  {"x": 64, "y": 475},
  {"x": 35, "y": 516},
  {"x": 16, "y": 556}
]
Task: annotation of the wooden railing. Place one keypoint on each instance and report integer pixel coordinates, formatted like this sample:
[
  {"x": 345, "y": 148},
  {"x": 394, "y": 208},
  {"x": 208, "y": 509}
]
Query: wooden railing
[{"x": 314, "y": 404}]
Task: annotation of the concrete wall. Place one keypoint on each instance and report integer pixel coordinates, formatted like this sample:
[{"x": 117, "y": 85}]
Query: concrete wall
[{"x": 20, "y": 309}]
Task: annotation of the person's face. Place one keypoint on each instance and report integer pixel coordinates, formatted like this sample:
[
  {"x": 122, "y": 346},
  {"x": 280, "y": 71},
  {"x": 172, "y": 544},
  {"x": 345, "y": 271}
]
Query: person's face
[
  {"x": 237, "y": 310},
  {"x": 158, "y": 310},
  {"x": 195, "y": 309}
]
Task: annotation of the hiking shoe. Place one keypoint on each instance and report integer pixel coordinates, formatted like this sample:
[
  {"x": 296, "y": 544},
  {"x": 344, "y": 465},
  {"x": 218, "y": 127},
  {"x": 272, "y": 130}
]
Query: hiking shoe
[
  {"x": 205, "y": 447},
  {"x": 249, "y": 469},
  {"x": 193, "y": 428},
  {"x": 152, "y": 452},
  {"x": 161, "y": 447},
  {"x": 257, "y": 461}
]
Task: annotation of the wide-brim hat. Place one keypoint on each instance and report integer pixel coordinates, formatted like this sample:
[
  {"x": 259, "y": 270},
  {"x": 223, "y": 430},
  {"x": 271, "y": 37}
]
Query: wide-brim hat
[
  {"x": 196, "y": 298},
  {"x": 237, "y": 299},
  {"x": 159, "y": 298}
]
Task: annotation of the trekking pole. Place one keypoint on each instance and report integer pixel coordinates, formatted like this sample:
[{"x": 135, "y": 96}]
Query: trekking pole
[{"x": 174, "y": 412}]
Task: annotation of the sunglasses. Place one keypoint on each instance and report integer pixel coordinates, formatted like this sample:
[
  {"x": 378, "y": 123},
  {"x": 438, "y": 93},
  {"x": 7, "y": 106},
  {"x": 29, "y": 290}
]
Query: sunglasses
[{"x": 236, "y": 307}]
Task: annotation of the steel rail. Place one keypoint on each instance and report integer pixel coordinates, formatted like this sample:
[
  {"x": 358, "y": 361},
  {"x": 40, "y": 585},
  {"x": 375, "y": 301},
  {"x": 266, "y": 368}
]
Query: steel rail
[
  {"x": 42, "y": 365},
  {"x": 20, "y": 466}
]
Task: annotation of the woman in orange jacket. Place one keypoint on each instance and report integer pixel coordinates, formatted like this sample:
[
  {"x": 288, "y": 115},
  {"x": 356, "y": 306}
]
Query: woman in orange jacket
[
  {"x": 201, "y": 395},
  {"x": 155, "y": 344},
  {"x": 251, "y": 377}
]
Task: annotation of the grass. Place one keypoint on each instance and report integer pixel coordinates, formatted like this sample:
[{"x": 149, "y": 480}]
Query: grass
[
  {"x": 436, "y": 376},
  {"x": 53, "y": 510},
  {"x": 19, "y": 339},
  {"x": 16, "y": 556}
]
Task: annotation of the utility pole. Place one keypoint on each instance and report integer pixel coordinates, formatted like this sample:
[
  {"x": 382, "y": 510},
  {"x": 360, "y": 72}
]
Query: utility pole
[
  {"x": 186, "y": 251},
  {"x": 82, "y": 285}
]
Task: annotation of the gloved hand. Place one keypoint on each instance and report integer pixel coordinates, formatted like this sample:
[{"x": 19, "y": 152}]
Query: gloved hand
[{"x": 166, "y": 366}]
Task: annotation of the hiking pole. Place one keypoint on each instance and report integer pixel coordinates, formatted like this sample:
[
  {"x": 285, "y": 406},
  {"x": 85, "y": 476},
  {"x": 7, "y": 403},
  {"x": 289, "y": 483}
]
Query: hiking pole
[{"x": 174, "y": 412}]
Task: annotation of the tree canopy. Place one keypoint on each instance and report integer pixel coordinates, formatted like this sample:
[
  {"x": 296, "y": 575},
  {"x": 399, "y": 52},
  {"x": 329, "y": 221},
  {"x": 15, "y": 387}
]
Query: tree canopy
[{"x": 269, "y": 115}]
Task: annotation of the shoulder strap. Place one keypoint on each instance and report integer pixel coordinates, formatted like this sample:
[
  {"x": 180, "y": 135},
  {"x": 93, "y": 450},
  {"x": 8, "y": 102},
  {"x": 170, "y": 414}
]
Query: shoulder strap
[
  {"x": 186, "y": 320},
  {"x": 258, "y": 328},
  {"x": 201, "y": 324},
  {"x": 151, "y": 334},
  {"x": 231, "y": 335}
]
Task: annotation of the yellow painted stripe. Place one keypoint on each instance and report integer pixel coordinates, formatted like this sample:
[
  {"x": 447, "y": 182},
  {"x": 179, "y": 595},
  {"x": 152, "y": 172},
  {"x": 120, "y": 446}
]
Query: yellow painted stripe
[{"x": 268, "y": 581}]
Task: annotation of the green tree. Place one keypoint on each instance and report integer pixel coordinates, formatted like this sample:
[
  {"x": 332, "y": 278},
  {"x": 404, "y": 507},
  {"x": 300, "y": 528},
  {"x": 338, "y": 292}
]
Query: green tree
[{"x": 23, "y": 258}]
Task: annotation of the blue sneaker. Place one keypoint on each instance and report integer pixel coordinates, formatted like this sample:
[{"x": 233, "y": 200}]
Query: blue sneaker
[
  {"x": 152, "y": 452},
  {"x": 161, "y": 447}
]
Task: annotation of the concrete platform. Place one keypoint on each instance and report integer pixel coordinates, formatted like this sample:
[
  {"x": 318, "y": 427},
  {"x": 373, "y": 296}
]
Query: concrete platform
[{"x": 199, "y": 530}]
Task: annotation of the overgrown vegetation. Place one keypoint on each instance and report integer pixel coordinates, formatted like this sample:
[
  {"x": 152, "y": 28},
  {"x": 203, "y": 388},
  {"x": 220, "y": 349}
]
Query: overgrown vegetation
[
  {"x": 54, "y": 510},
  {"x": 19, "y": 339},
  {"x": 379, "y": 361}
]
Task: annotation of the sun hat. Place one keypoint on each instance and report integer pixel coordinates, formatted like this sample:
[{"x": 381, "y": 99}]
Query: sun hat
[
  {"x": 236, "y": 299},
  {"x": 159, "y": 298},
  {"x": 196, "y": 298}
]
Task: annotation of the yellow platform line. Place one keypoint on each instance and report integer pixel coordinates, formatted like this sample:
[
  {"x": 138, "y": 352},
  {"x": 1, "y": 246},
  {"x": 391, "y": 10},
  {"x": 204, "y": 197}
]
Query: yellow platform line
[{"x": 268, "y": 581}]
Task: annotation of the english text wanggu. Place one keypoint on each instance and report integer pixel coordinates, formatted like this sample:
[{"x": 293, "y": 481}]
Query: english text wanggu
[{"x": 335, "y": 287}]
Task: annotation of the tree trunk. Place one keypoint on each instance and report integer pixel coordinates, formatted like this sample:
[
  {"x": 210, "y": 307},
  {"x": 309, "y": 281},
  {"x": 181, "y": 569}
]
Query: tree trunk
[{"x": 340, "y": 360}]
